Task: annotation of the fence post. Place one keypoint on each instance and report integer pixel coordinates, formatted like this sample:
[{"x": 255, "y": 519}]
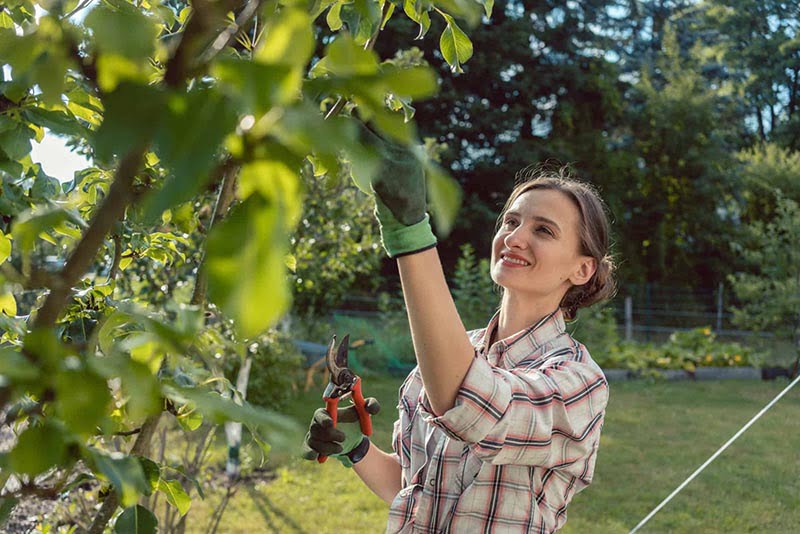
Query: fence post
[
  {"x": 628, "y": 318},
  {"x": 719, "y": 307}
]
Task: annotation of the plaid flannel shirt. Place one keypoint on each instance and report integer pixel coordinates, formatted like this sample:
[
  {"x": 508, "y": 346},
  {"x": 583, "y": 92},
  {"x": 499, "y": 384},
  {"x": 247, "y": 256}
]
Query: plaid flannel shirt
[{"x": 519, "y": 443}]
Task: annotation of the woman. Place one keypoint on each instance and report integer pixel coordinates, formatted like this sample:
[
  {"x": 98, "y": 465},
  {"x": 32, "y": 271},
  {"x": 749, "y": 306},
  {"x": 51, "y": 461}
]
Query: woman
[{"x": 499, "y": 427}]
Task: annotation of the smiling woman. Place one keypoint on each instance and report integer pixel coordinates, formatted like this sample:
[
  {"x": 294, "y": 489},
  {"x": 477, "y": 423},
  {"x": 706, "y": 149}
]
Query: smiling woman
[
  {"x": 56, "y": 158},
  {"x": 499, "y": 427}
]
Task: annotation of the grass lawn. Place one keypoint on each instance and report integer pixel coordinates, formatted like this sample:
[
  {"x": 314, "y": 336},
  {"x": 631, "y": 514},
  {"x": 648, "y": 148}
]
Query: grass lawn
[{"x": 655, "y": 436}]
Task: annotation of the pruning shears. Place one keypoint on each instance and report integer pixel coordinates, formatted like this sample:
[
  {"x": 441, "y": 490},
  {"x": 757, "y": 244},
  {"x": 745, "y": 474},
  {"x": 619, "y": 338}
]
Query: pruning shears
[{"x": 343, "y": 382}]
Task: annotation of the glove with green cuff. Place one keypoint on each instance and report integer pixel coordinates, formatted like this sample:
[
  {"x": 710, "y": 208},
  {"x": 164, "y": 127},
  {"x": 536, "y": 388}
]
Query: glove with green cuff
[
  {"x": 400, "y": 198},
  {"x": 345, "y": 441}
]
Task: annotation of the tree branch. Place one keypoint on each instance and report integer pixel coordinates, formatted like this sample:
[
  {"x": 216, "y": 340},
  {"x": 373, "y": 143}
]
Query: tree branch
[
  {"x": 230, "y": 171},
  {"x": 120, "y": 195},
  {"x": 140, "y": 448},
  {"x": 112, "y": 274}
]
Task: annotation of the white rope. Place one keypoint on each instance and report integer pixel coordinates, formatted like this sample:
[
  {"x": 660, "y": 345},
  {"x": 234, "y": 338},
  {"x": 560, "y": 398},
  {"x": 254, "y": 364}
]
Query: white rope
[{"x": 713, "y": 456}]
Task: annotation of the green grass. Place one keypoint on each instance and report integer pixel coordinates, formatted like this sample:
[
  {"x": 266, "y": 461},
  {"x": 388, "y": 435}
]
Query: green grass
[{"x": 655, "y": 436}]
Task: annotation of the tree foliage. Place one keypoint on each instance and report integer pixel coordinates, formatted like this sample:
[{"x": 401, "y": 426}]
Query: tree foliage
[{"x": 207, "y": 125}]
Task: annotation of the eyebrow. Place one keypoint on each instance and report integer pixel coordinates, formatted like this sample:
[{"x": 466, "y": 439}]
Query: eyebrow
[{"x": 537, "y": 218}]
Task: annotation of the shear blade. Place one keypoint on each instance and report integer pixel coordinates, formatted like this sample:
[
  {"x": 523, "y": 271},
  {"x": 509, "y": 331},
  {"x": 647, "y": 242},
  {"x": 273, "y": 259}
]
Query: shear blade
[{"x": 336, "y": 360}]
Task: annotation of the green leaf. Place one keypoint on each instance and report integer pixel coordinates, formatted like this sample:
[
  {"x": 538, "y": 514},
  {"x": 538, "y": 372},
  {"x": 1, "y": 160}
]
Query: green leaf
[
  {"x": 142, "y": 388},
  {"x": 347, "y": 58},
  {"x": 5, "y": 247},
  {"x": 219, "y": 409},
  {"x": 191, "y": 421},
  {"x": 133, "y": 115},
  {"x": 44, "y": 188},
  {"x": 122, "y": 29},
  {"x": 445, "y": 196},
  {"x": 274, "y": 179},
  {"x": 82, "y": 399},
  {"x": 422, "y": 18},
  {"x": 16, "y": 366},
  {"x": 38, "y": 449},
  {"x": 334, "y": 17},
  {"x": 455, "y": 45},
  {"x": 35, "y": 223},
  {"x": 50, "y": 71},
  {"x": 245, "y": 264},
  {"x": 136, "y": 520},
  {"x": 260, "y": 87},
  {"x": 152, "y": 473},
  {"x": 16, "y": 142},
  {"x": 6, "y": 22},
  {"x": 362, "y": 18},
  {"x": 124, "y": 472},
  {"x": 487, "y": 6},
  {"x": 175, "y": 494},
  {"x": 113, "y": 69},
  {"x": 289, "y": 39},
  {"x": 414, "y": 82},
  {"x": 188, "y": 147},
  {"x": 387, "y": 15}
]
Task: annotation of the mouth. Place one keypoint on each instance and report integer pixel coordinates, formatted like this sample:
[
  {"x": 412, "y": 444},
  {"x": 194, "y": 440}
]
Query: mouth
[{"x": 512, "y": 260}]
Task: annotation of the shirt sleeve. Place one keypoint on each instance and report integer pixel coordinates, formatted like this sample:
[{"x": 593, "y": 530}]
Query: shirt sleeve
[{"x": 549, "y": 416}]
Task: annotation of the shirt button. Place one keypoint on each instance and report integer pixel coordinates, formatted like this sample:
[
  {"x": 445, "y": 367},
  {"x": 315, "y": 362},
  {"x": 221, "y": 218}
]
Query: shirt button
[{"x": 432, "y": 482}]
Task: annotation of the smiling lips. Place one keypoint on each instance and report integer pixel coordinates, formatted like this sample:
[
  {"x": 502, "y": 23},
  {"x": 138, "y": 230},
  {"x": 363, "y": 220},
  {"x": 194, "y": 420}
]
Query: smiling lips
[{"x": 512, "y": 260}]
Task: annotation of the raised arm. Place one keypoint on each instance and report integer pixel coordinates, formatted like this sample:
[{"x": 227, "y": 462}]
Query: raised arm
[
  {"x": 441, "y": 344},
  {"x": 443, "y": 349}
]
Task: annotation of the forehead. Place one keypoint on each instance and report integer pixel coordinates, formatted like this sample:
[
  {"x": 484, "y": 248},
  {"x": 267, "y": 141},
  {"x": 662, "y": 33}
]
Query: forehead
[{"x": 549, "y": 203}]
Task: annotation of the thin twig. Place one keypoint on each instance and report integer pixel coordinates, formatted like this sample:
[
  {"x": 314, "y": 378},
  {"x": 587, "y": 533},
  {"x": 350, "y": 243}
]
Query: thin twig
[
  {"x": 124, "y": 433},
  {"x": 79, "y": 7}
]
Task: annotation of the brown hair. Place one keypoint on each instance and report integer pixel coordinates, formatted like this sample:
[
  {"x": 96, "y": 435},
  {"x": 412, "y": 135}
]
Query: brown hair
[{"x": 593, "y": 233}]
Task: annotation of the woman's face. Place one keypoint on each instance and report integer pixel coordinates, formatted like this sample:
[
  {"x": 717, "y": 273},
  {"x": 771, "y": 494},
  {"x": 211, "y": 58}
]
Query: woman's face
[{"x": 536, "y": 252}]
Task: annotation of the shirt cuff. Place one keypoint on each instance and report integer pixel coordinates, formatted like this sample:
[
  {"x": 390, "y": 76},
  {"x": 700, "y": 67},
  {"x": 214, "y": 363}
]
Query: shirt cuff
[{"x": 480, "y": 404}]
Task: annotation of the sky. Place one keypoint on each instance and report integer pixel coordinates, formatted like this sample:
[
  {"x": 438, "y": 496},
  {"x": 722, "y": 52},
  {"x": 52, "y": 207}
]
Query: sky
[{"x": 56, "y": 158}]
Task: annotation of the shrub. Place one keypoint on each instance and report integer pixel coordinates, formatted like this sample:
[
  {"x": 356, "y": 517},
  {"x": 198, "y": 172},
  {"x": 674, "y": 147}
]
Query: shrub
[
  {"x": 684, "y": 350},
  {"x": 275, "y": 370},
  {"x": 596, "y": 328},
  {"x": 475, "y": 294}
]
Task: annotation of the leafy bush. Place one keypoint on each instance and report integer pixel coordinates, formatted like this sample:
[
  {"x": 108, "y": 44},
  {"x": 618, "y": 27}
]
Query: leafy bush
[
  {"x": 275, "y": 370},
  {"x": 684, "y": 350},
  {"x": 596, "y": 328},
  {"x": 475, "y": 294}
]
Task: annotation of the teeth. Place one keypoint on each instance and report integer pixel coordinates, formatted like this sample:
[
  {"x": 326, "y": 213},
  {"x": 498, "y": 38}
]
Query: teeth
[{"x": 515, "y": 260}]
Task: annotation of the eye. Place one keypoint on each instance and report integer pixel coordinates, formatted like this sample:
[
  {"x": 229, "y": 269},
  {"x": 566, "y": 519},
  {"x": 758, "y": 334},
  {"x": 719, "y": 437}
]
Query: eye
[
  {"x": 510, "y": 222},
  {"x": 545, "y": 230}
]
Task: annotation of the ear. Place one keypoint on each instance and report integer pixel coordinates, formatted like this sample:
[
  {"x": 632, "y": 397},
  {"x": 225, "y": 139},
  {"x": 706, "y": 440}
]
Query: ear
[{"x": 584, "y": 271}]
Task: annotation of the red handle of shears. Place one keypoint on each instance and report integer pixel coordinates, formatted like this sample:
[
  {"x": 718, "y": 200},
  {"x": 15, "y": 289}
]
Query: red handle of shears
[
  {"x": 332, "y": 405},
  {"x": 361, "y": 407}
]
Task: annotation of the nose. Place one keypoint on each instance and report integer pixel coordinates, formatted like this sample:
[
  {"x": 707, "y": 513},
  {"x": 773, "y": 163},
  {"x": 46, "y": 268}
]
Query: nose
[{"x": 516, "y": 238}]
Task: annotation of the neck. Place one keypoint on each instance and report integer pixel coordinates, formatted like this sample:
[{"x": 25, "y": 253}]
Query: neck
[{"x": 517, "y": 314}]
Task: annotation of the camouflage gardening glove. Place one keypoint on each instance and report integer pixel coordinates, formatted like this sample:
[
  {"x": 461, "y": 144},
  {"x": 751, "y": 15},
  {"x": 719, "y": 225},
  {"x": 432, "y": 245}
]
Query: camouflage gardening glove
[
  {"x": 400, "y": 199},
  {"x": 345, "y": 441}
]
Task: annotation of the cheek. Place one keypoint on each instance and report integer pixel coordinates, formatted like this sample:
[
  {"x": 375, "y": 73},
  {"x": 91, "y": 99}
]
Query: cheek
[{"x": 497, "y": 243}]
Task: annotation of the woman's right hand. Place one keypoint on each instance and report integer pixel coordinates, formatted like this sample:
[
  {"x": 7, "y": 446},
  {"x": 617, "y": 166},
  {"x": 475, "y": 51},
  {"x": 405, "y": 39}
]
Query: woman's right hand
[{"x": 400, "y": 197}]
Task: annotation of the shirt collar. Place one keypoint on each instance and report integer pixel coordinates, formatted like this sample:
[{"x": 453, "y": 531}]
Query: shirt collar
[{"x": 516, "y": 347}]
